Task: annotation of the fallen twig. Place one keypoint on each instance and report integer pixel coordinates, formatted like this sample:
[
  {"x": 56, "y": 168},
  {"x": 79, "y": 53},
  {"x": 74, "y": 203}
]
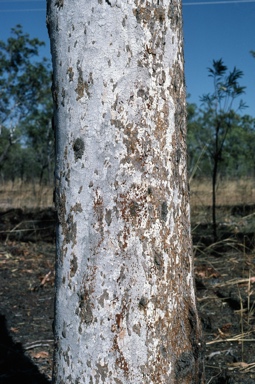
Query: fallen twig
[
  {"x": 36, "y": 344},
  {"x": 239, "y": 338}
]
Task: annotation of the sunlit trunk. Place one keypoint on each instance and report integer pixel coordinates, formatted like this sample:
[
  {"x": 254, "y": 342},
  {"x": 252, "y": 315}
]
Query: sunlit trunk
[{"x": 125, "y": 302}]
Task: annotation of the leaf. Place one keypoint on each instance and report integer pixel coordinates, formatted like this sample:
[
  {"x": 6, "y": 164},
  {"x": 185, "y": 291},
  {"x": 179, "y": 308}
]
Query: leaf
[
  {"x": 218, "y": 68},
  {"x": 45, "y": 279},
  {"x": 205, "y": 271},
  {"x": 41, "y": 355},
  {"x": 226, "y": 327}
]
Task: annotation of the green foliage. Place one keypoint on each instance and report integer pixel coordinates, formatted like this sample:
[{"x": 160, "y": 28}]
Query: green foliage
[
  {"x": 226, "y": 90},
  {"x": 238, "y": 154},
  {"x": 25, "y": 107},
  {"x": 239, "y": 158}
]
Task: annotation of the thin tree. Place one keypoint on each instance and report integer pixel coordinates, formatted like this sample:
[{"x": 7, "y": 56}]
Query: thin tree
[
  {"x": 125, "y": 302},
  {"x": 219, "y": 116}
]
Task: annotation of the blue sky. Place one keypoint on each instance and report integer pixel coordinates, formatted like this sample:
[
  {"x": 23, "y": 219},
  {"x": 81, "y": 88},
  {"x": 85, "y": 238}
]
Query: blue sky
[
  {"x": 214, "y": 31},
  {"x": 211, "y": 31}
]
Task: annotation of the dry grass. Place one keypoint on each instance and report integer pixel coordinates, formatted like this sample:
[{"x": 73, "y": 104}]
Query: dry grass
[
  {"x": 229, "y": 192},
  {"x": 31, "y": 195},
  {"x": 23, "y": 195}
]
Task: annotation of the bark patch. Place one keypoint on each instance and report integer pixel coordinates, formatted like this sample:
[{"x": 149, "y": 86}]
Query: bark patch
[
  {"x": 74, "y": 266},
  {"x": 59, "y": 3},
  {"x": 134, "y": 208},
  {"x": 83, "y": 85},
  {"x": 78, "y": 148},
  {"x": 71, "y": 229},
  {"x": 108, "y": 217},
  {"x": 143, "y": 302},
  {"x": 164, "y": 211},
  {"x": 85, "y": 309},
  {"x": 158, "y": 260},
  {"x": 70, "y": 73}
]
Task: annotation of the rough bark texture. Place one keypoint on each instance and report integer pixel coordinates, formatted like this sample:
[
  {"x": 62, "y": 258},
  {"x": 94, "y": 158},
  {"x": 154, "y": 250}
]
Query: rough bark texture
[{"x": 125, "y": 303}]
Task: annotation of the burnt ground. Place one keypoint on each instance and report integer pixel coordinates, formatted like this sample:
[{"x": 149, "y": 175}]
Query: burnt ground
[{"x": 225, "y": 282}]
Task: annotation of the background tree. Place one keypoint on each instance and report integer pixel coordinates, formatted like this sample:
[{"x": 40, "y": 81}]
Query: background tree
[
  {"x": 125, "y": 301},
  {"x": 198, "y": 162},
  {"x": 25, "y": 103},
  {"x": 237, "y": 160},
  {"x": 39, "y": 136},
  {"x": 217, "y": 119}
]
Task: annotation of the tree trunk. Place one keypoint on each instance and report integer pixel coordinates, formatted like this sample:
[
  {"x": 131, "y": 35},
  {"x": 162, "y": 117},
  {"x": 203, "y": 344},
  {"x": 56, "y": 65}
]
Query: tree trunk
[
  {"x": 214, "y": 182},
  {"x": 125, "y": 302},
  {"x": 216, "y": 157}
]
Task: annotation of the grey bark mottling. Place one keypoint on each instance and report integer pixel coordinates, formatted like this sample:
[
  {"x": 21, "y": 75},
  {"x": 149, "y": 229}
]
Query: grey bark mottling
[{"x": 125, "y": 302}]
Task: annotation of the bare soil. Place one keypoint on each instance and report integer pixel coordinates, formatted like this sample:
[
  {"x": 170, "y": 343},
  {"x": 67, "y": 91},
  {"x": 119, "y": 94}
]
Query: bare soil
[
  {"x": 26, "y": 302},
  {"x": 225, "y": 282}
]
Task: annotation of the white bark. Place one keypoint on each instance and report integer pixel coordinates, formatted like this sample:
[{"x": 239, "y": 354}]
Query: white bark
[{"x": 125, "y": 304}]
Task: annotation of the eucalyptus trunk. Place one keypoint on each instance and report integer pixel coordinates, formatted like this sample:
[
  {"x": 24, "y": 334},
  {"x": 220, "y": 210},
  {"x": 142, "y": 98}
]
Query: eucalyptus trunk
[{"x": 125, "y": 303}]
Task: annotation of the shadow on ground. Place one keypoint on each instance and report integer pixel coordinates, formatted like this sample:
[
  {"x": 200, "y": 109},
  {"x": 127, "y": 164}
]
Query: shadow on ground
[{"x": 15, "y": 366}]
